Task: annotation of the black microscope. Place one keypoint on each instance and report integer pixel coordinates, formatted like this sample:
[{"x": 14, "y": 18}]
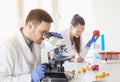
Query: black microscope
[{"x": 56, "y": 71}]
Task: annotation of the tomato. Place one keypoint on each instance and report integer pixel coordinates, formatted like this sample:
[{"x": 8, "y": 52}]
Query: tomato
[
  {"x": 96, "y": 76},
  {"x": 73, "y": 71},
  {"x": 83, "y": 70},
  {"x": 96, "y": 32},
  {"x": 79, "y": 72},
  {"x": 95, "y": 67}
]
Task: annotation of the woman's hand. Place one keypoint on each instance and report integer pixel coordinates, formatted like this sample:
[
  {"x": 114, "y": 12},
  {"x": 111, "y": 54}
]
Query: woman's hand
[
  {"x": 77, "y": 59},
  {"x": 80, "y": 59}
]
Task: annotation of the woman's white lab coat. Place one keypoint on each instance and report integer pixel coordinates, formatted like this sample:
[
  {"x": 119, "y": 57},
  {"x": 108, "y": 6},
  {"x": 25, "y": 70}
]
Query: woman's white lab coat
[
  {"x": 66, "y": 35},
  {"x": 17, "y": 60}
]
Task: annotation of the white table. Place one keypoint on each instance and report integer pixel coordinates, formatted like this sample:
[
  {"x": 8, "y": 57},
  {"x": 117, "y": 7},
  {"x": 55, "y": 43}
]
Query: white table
[{"x": 112, "y": 69}]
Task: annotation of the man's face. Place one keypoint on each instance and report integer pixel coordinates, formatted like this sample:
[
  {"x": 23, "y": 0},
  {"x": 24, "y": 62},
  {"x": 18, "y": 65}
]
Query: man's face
[{"x": 38, "y": 32}]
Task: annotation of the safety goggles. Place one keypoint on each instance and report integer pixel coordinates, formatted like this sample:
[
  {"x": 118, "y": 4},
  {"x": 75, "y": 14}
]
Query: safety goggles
[{"x": 77, "y": 31}]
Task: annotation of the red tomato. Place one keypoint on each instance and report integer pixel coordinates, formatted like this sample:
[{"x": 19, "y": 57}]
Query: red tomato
[
  {"x": 96, "y": 32},
  {"x": 95, "y": 67}
]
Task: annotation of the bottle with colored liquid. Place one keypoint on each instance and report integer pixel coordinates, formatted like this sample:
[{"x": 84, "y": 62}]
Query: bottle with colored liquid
[
  {"x": 103, "y": 46},
  {"x": 96, "y": 56}
]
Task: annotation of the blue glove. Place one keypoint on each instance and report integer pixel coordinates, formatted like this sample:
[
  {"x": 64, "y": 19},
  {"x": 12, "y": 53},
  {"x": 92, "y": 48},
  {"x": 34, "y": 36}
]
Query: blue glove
[
  {"x": 38, "y": 73},
  {"x": 56, "y": 35},
  {"x": 92, "y": 40}
]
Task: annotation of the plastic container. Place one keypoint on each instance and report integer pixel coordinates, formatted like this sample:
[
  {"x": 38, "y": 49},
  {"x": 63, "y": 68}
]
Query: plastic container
[{"x": 109, "y": 55}]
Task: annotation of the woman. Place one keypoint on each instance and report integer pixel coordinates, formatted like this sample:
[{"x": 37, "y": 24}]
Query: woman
[{"x": 72, "y": 37}]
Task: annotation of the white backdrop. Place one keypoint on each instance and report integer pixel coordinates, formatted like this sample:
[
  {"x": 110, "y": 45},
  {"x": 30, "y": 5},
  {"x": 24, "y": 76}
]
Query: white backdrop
[{"x": 103, "y": 15}]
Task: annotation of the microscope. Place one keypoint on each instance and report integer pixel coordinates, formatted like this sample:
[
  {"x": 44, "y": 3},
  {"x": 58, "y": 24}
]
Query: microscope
[{"x": 55, "y": 69}]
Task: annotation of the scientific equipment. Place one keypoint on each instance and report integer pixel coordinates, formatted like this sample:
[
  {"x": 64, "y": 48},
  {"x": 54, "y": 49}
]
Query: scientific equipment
[
  {"x": 54, "y": 39},
  {"x": 102, "y": 42},
  {"x": 55, "y": 71},
  {"x": 108, "y": 56},
  {"x": 112, "y": 57},
  {"x": 95, "y": 54}
]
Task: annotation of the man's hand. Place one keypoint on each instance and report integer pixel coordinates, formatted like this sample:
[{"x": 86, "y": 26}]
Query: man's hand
[{"x": 38, "y": 73}]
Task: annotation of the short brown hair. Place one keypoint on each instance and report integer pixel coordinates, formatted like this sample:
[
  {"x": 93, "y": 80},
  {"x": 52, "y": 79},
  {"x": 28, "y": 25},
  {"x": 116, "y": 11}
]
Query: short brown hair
[{"x": 37, "y": 16}]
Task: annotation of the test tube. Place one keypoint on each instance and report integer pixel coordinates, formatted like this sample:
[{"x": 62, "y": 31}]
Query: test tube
[
  {"x": 103, "y": 45},
  {"x": 102, "y": 42}
]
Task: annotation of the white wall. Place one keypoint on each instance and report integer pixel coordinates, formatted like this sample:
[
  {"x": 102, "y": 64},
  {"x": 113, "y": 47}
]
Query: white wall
[
  {"x": 98, "y": 14},
  {"x": 106, "y": 16},
  {"x": 103, "y": 15},
  {"x": 8, "y": 18}
]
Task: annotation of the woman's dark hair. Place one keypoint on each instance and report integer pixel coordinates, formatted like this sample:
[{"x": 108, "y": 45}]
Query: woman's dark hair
[{"x": 75, "y": 21}]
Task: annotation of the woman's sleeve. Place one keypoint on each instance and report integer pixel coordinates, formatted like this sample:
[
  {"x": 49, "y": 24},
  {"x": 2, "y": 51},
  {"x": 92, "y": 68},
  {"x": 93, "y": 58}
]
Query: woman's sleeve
[{"x": 84, "y": 51}]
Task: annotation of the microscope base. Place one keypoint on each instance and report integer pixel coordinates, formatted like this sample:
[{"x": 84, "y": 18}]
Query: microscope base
[{"x": 55, "y": 77}]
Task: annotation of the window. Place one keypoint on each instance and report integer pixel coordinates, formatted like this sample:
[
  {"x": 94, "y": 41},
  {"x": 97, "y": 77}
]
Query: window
[{"x": 8, "y": 18}]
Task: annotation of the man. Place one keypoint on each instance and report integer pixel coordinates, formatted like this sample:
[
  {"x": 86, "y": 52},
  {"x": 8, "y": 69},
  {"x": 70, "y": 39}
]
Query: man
[{"x": 20, "y": 54}]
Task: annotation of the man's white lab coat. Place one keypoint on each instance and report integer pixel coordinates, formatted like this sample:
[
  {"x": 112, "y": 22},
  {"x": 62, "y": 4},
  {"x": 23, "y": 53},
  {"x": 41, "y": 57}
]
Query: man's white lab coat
[{"x": 17, "y": 60}]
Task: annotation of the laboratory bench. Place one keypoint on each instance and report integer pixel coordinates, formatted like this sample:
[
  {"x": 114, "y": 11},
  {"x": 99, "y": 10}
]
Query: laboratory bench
[{"x": 113, "y": 69}]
